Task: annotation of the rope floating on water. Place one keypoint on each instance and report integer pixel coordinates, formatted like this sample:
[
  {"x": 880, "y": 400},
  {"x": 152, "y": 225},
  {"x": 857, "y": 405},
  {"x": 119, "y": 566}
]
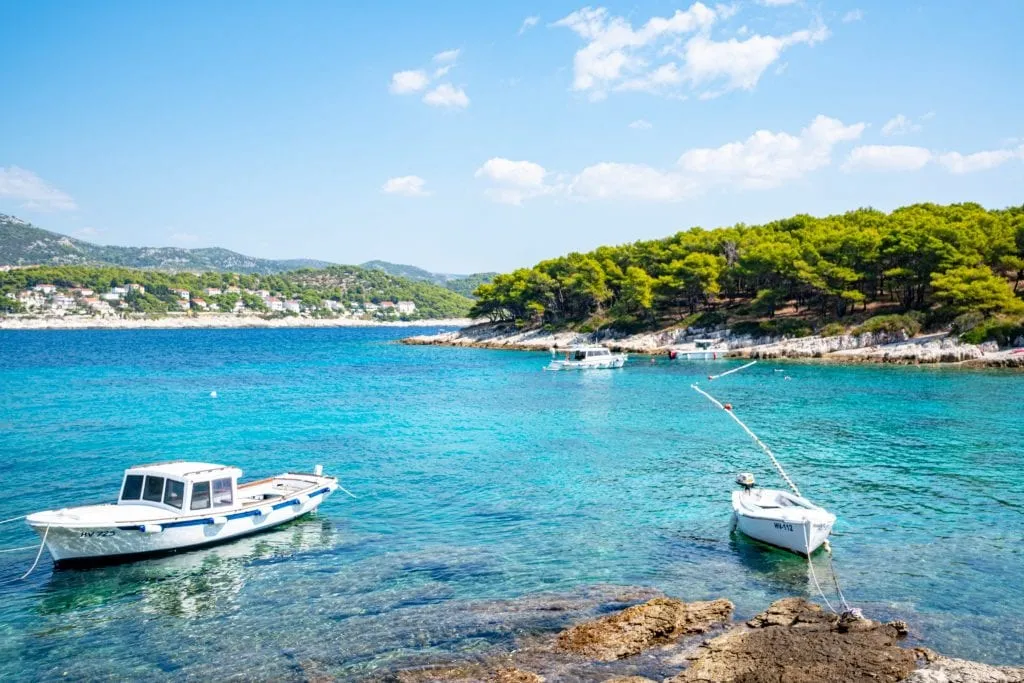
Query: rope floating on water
[
  {"x": 742, "y": 367},
  {"x": 14, "y": 550},
  {"x": 728, "y": 411},
  {"x": 342, "y": 488},
  {"x": 13, "y": 519}
]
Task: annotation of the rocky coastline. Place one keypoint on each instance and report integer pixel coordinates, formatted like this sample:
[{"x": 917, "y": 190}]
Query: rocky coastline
[
  {"x": 942, "y": 348},
  {"x": 671, "y": 641}
]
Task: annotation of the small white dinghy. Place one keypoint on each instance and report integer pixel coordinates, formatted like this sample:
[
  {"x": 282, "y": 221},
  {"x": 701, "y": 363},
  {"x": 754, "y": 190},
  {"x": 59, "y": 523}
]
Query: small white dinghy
[
  {"x": 780, "y": 518},
  {"x": 177, "y": 505}
]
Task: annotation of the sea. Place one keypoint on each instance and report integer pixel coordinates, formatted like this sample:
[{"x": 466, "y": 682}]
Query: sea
[{"x": 485, "y": 488}]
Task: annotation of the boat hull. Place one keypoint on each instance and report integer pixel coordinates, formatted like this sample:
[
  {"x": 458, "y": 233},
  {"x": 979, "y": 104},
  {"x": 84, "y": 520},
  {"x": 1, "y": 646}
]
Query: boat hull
[
  {"x": 802, "y": 537},
  {"x": 106, "y": 543},
  {"x": 602, "y": 364}
]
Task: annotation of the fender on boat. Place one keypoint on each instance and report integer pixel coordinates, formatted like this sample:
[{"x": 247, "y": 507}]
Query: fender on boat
[{"x": 151, "y": 528}]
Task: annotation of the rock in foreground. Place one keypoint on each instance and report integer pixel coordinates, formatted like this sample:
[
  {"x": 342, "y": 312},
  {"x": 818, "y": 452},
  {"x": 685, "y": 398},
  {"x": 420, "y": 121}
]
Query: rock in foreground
[
  {"x": 797, "y": 642},
  {"x": 633, "y": 630}
]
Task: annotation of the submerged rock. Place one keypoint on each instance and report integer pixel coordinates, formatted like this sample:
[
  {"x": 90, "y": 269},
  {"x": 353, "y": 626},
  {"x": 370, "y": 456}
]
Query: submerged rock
[
  {"x": 633, "y": 630},
  {"x": 941, "y": 669},
  {"x": 797, "y": 642}
]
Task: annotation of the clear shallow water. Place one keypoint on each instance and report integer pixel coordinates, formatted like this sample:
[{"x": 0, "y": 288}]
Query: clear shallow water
[{"x": 482, "y": 479}]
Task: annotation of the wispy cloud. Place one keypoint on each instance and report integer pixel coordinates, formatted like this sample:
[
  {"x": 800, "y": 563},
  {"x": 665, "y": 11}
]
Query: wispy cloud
[
  {"x": 641, "y": 124},
  {"x": 418, "y": 80},
  {"x": 907, "y": 158},
  {"x": 900, "y": 125},
  {"x": 528, "y": 23},
  {"x": 852, "y": 16},
  {"x": 406, "y": 186},
  {"x": 32, "y": 191}
]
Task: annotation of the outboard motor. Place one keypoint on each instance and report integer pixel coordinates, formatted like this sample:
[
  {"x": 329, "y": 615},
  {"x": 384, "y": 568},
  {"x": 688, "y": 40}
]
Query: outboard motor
[{"x": 746, "y": 480}]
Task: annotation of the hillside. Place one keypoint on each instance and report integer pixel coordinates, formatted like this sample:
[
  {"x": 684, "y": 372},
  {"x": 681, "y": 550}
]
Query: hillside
[
  {"x": 24, "y": 244},
  {"x": 958, "y": 266},
  {"x": 462, "y": 284},
  {"x": 329, "y": 292}
]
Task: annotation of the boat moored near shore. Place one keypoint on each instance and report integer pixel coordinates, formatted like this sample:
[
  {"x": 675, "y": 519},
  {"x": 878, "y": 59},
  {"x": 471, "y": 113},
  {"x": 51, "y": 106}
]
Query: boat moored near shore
[
  {"x": 586, "y": 358},
  {"x": 178, "y": 505}
]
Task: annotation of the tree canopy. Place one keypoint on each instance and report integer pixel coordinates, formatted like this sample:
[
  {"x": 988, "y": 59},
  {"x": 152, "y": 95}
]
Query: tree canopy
[{"x": 946, "y": 259}]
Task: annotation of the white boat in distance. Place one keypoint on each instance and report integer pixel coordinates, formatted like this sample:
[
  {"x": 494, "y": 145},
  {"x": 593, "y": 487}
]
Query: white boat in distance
[
  {"x": 174, "y": 506},
  {"x": 586, "y": 358},
  {"x": 780, "y": 518},
  {"x": 700, "y": 349}
]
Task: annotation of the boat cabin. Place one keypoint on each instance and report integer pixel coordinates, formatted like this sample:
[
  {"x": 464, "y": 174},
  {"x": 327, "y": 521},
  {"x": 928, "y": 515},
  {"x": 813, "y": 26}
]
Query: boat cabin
[
  {"x": 181, "y": 486},
  {"x": 704, "y": 344},
  {"x": 594, "y": 352}
]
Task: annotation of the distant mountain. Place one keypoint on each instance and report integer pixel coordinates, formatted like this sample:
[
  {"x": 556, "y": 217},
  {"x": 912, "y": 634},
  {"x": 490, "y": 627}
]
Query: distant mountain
[
  {"x": 23, "y": 244},
  {"x": 462, "y": 284}
]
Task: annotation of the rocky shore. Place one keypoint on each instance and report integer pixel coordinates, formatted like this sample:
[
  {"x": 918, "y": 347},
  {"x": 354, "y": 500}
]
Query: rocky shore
[
  {"x": 864, "y": 348},
  {"x": 207, "y": 321},
  {"x": 667, "y": 640}
]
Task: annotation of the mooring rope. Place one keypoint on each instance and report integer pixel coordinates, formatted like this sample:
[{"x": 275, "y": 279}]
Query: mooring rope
[
  {"x": 742, "y": 367},
  {"x": 810, "y": 564},
  {"x": 347, "y": 491},
  {"x": 728, "y": 411},
  {"x": 13, "y": 519},
  {"x": 14, "y": 550},
  {"x": 38, "y": 555},
  {"x": 835, "y": 577}
]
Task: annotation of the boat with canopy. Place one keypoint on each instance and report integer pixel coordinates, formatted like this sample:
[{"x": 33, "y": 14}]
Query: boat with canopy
[{"x": 586, "y": 358}]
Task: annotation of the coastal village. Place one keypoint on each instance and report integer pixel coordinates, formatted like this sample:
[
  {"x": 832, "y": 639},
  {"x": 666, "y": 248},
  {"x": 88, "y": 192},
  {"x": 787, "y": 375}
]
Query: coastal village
[{"x": 51, "y": 301}]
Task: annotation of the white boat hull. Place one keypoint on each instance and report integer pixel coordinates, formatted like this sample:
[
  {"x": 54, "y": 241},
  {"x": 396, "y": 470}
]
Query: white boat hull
[
  {"x": 68, "y": 543},
  {"x": 605, "y": 363},
  {"x": 700, "y": 355},
  {"x": 801, "y": 530}
]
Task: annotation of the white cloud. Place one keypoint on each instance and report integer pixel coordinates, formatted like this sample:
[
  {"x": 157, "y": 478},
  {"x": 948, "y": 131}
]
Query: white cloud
[
  {"x": 853, "y": 15},
  {"x": 900, "y": 125},
  {"x": 406, "y": 185},
  {"x": 447, "y": 95},
  {"x": 657, "y": 58},
  {"x": 641, "y": 124},
  {"x": 614, "y": 49},
  {"x": 405, "y": 82},
  {"x": 764, "y": 160},
  {"x": 777, "y": 3},
  {"x": 739, "y": 64},
  {"x": 446, "y": 57},
  {"x": 768, "y": 159},
  {"x": 528, "y": 23},
  {"x": 954, "y": 162},
  {"x": 514, "y": 181},
  {"x": 887, "y": 158},
  {"x": 34, "y": 192},
  {"x": 631, "y": 181}
]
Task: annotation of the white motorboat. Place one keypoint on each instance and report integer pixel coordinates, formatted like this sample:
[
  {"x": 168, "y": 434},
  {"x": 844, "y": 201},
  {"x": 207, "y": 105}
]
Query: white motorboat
[
  {"x": 586, "y": 358},
  {"x": 780, "y": 518},
  {"x": 178, "y": 505},
  {"x": 700, "y": 349}
]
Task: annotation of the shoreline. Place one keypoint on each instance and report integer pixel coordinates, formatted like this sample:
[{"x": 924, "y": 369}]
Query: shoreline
[
  {"x": 941, "y": 349},
  {"x": 213, "y": 322}
]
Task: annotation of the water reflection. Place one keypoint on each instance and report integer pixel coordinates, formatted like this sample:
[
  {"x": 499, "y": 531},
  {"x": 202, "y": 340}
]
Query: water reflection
[{"x": 188, "y": 584}]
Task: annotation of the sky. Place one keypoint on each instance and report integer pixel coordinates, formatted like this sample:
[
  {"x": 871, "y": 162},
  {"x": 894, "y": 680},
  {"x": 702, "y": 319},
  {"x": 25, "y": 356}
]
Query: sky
[{"x": 466, "y": 137}]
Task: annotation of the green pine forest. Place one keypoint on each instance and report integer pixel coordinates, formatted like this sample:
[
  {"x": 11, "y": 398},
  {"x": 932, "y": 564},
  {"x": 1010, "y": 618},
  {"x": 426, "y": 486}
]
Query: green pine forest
[{"x": 924, "y": 266}]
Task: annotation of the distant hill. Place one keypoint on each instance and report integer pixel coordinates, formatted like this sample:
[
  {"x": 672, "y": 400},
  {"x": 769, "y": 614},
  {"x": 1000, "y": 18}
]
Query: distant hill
[
  {"x": 462, "y": 284},
  {"x": 23, "y": 244}
]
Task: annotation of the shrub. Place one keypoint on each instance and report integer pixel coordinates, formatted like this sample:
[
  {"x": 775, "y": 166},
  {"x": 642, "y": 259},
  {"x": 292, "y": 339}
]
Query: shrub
[
  {"x": 1002, "y": 332},
  {"x": 967, "y": 322},
  {"x": 833, "y": 330},
  {"x": 773, "y": 328},
  {"x": 892, "y": 324}
]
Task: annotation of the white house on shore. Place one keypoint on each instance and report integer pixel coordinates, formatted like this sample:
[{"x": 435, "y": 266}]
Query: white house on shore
[{"x": 406, "y": 307}]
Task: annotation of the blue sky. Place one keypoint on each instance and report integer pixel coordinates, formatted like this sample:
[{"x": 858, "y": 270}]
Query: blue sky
[{"x": 485, "y": 136}]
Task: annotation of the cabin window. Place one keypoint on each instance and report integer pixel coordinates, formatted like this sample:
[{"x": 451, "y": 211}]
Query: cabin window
[
  {"x": 174, "y": 493},
  {"x": 222, "y": 492},
  {"x": 200, "y": 495},
  {"x": 154, "y": 489},
  {"x": 580, "y": 355},
  {"x": 132, "y": 487}
]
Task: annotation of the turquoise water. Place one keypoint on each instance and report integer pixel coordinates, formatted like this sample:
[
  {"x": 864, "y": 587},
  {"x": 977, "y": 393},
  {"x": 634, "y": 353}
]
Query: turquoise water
[{"x": 484, "y": 482}]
